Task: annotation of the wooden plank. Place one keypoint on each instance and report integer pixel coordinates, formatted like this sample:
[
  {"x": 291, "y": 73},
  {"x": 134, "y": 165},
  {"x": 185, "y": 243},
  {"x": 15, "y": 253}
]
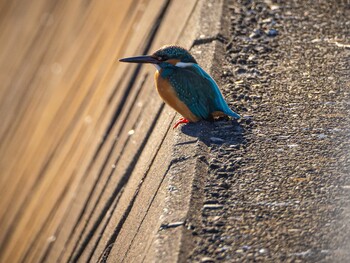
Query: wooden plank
[
  {"x": 60, "y": 120},
  {"x": 93, "y": 177},
  {"x": 83, "y": 139}
]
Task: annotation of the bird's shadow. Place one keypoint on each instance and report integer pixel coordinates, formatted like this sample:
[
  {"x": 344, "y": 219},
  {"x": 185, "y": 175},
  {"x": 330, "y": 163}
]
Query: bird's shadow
[{"x": 218, "y": 132}]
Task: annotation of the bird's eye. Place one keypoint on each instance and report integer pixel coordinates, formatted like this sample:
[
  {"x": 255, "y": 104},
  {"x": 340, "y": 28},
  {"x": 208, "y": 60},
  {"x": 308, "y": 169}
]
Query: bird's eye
[{"x": 162, "y": 58}]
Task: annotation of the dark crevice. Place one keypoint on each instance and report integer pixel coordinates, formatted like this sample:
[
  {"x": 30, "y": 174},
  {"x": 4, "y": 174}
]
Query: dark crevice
[
  {"x": 187, "y": 142},
  {"x": 114, "y": 205},
  {"x": 149, "y": 42},
  {"x": 91, "y": 194},
  {"x": 114, "y": 119},
  {"x": 124, "y": 180},
  {"x": 155, "y": 194},
  {"x": 46, "y": 224},
  {"x": 119, "y": 110},
  {"x": 206, "y": 40},
  {"x": 172, "y": 225},
  {"x": 110, "y": 152},
  {"x": 123, "y": 25},
  {"x": 52, "y": 155},
  {"x": 103, "y": 166}
]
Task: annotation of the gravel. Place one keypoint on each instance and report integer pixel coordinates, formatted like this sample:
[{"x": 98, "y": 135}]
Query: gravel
[{"x": 278, "y": 179}]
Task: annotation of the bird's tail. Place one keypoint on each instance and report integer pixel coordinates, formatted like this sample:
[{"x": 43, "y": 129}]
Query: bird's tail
[{"x": 231, "y": 113}]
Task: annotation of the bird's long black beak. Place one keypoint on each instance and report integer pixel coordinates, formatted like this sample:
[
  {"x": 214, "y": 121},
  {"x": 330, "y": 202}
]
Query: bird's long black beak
[{"x": 141, "y": 59}]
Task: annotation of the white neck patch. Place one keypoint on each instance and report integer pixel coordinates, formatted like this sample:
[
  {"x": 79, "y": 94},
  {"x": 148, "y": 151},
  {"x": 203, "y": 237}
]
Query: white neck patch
[
  {"x": 184, "y": 64},
  {"x": 157, "y": 66}
]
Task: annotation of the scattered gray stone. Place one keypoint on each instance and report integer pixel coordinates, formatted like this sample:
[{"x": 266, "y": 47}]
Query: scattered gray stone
[
  {"x": 213, "y": 206},
  {"x": 272, "y": 33}
]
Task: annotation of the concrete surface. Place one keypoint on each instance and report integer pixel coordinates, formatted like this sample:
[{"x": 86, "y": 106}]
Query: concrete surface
[{"x": 276, "y": 189}]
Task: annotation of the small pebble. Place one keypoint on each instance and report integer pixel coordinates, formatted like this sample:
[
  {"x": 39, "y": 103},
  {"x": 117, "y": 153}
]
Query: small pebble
[
  {"x": 272, "y": 33},
  {"x": 256, "y": 33},
  {"x": 207, "y": 260},
  {"x": 262, "y": 250},
  {"x": 322, "y": 136},
  {"x": 213, "y": 206},
  {"x": 241, "y": 71}
]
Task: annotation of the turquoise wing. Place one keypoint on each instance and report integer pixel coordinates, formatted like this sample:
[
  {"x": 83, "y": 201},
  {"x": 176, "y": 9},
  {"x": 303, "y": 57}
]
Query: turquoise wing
[
  {"x": 220, "y": 102},
  {"x": 199, "y": 91}
]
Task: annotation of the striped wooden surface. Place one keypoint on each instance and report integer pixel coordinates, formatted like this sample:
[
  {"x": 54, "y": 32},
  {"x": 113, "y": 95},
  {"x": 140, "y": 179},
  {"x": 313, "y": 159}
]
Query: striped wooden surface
[{"x": 85, "y": 141}]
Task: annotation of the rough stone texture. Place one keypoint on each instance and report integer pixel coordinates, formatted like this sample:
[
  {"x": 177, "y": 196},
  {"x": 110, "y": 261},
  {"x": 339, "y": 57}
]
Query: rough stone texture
[{"x": 278, "y": 182}]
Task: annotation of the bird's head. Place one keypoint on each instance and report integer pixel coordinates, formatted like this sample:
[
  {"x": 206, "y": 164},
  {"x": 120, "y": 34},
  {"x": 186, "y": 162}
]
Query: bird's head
[{"x": 168, "y": 54}]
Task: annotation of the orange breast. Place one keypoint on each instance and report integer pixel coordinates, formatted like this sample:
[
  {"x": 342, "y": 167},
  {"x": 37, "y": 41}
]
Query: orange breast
[{"x": 168, "y": 94}]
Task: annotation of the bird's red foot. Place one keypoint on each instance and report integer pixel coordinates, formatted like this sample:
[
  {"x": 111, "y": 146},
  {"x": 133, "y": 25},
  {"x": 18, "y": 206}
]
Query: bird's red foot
[{"x": 179, "y": 121}]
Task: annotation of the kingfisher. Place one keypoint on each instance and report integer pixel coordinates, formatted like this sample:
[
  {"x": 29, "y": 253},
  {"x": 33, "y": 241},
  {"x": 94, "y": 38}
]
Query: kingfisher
[{"x": 184, "y": 85}]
